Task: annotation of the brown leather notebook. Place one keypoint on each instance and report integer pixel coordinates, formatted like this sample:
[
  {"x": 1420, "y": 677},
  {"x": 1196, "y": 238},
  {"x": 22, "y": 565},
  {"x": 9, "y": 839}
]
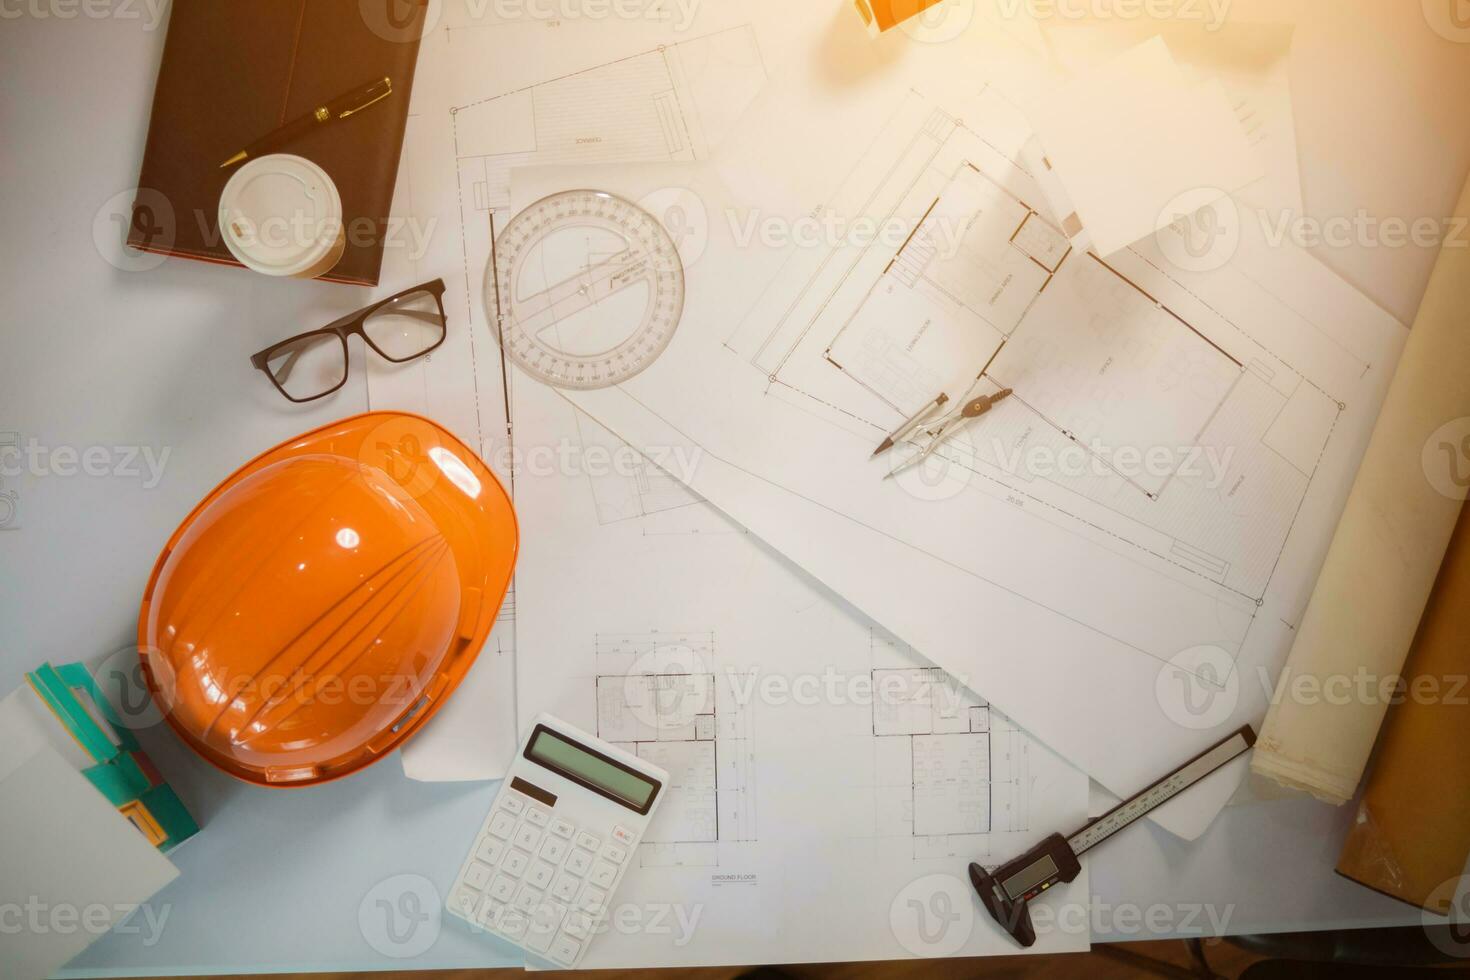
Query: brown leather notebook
[{"x": 233, "y": 72}]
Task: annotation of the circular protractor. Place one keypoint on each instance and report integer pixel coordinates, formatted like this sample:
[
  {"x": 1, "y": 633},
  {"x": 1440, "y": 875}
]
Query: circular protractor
[{"x": 591, "y": 289}]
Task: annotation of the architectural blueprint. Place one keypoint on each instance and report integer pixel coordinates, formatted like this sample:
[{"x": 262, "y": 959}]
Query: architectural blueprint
[
  {"x": 1100, "y": 366},
  {"x": 478, "y": 112},
  {"x": 492, "y": 94},
  {"x": 828, "y": 785},
  {"x": 872, "y": 822},
  {"x": 1123, "y": 548}
]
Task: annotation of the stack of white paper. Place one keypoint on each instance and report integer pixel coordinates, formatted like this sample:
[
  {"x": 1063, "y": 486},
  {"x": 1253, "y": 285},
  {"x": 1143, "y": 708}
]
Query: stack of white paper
[
  {"x": 1132, "y": 147},
  {"x": 1115, "y": 558},
  {"x": 72, "y": 866}
]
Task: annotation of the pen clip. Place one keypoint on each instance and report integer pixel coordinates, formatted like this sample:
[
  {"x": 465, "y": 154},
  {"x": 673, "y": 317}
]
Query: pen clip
[{"x": 387, "y": 91}]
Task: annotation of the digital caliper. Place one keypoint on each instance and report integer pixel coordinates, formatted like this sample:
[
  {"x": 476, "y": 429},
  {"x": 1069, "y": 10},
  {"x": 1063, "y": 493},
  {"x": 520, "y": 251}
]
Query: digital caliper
[{"x": 1006, "y": 891}]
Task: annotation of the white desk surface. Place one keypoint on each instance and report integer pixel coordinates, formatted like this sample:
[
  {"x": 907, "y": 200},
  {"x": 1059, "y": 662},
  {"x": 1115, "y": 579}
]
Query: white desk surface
[{"x": 94, "y": 356}]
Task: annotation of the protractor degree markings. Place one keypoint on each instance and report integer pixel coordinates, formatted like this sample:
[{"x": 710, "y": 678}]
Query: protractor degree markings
[{"x": 648, "y": 257}]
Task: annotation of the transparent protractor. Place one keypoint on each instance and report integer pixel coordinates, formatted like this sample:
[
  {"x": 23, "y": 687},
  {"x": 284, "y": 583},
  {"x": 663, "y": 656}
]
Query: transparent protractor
[{"x": 590, "y": 289}]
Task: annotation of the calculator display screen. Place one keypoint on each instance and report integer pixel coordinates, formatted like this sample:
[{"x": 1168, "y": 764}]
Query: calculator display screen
[{"x": 592, "y": 769}]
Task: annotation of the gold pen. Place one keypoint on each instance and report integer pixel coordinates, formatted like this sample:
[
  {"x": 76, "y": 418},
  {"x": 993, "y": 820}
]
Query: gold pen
[{"x": 339, "y": 108}]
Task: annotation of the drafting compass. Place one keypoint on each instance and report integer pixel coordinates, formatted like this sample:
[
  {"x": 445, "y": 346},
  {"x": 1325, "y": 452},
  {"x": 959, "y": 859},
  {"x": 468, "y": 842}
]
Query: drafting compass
[
  {"x": 940, "y": 428},
  {"x": 1005, "y": 891},
  {"x": 589, "y": 288}
]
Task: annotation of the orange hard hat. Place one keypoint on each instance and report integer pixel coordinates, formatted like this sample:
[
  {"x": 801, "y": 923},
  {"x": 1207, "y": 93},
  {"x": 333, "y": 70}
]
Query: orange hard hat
[{"x": 323, "y": 602}]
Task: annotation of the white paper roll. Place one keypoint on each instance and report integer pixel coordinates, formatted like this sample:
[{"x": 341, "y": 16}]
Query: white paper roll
[{"x": 1339, "y": 679}]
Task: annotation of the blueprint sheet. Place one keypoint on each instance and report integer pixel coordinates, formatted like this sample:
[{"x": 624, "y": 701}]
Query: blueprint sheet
[
  {"x": 828, "y": 785},
  {"x": 498, "y": 88},
  {"x": 1119, "y": 555},
  {"x": 1248, "y": 53},
  {"x": 493, "y": 93},
  {"x": 905, "y": 775}
]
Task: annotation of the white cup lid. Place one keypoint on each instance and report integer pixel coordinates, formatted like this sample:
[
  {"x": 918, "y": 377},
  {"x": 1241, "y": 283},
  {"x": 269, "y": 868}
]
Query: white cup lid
[{"x": 280, "y": 215}]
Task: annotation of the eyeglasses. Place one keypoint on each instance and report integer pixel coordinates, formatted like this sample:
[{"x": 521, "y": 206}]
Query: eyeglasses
[{"x": 400, "y": 328}]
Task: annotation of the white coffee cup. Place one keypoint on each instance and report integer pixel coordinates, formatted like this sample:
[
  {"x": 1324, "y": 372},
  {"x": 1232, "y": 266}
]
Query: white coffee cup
[{"x": 281, "y": 215}]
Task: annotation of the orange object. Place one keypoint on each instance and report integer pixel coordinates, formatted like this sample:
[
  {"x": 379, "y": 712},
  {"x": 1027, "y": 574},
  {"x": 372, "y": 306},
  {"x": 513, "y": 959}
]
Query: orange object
[
  {"x": 883, "y": 15},
  {"x": 319, "y": 606}
]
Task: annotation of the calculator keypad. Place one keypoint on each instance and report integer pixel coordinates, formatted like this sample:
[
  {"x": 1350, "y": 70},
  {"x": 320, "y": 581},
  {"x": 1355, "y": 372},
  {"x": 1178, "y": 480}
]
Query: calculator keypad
[
  {"x": 502, "y": 825},
  {"x": 579, "y": 861},
  {"x": 602, "y": 874},
  {"x": 539, "y": 880}
]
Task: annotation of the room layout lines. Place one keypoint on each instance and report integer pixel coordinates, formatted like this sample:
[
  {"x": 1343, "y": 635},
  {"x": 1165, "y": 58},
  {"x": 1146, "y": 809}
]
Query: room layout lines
[
  {"x": 665, "y": 104},
  {"x": 669, "y": 103},
  {"x": 980, "y": 257},
  {"x": 1142, "y": 419},
  {"x": 664, "y": 697},
  {"x": 947, "y": 766},
  {"x": 947, "y": 738},
  {"x": 1109, "y": 367},
  {"x": 627, "y": 487}
]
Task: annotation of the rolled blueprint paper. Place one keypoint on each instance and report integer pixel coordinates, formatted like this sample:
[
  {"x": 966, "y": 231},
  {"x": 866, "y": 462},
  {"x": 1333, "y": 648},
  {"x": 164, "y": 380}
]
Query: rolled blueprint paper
[{"x": 1343, "y": 671}]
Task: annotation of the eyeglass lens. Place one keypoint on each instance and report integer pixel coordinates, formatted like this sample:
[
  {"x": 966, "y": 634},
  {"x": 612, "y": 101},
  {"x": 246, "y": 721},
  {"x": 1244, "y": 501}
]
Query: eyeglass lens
[
  {"x": 310, "y": 366},
  {"x": 406, "y": 328}
]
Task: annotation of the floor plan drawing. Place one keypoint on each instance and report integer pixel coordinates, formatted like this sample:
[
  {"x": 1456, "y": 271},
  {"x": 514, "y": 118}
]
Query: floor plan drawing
[
  {"x": 797, "y": 736},
  {"x": 599, "y": 93},
  {"x": 1161, "y": 483},
  {"x": 668, "y": 103},
  {"x": 636, "y": 583},
  {"x": 631, "y": 488},
  {"x": 663, "y": 697},
  {"x": 947, "y": 766},
  {"x": 473, "y": 119},
  {"x": 988, "y": 294}
]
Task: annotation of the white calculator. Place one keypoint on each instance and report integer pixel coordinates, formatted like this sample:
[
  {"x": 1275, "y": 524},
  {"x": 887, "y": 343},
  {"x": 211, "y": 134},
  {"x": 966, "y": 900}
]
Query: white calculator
[{"x": 555, "y": 845}]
